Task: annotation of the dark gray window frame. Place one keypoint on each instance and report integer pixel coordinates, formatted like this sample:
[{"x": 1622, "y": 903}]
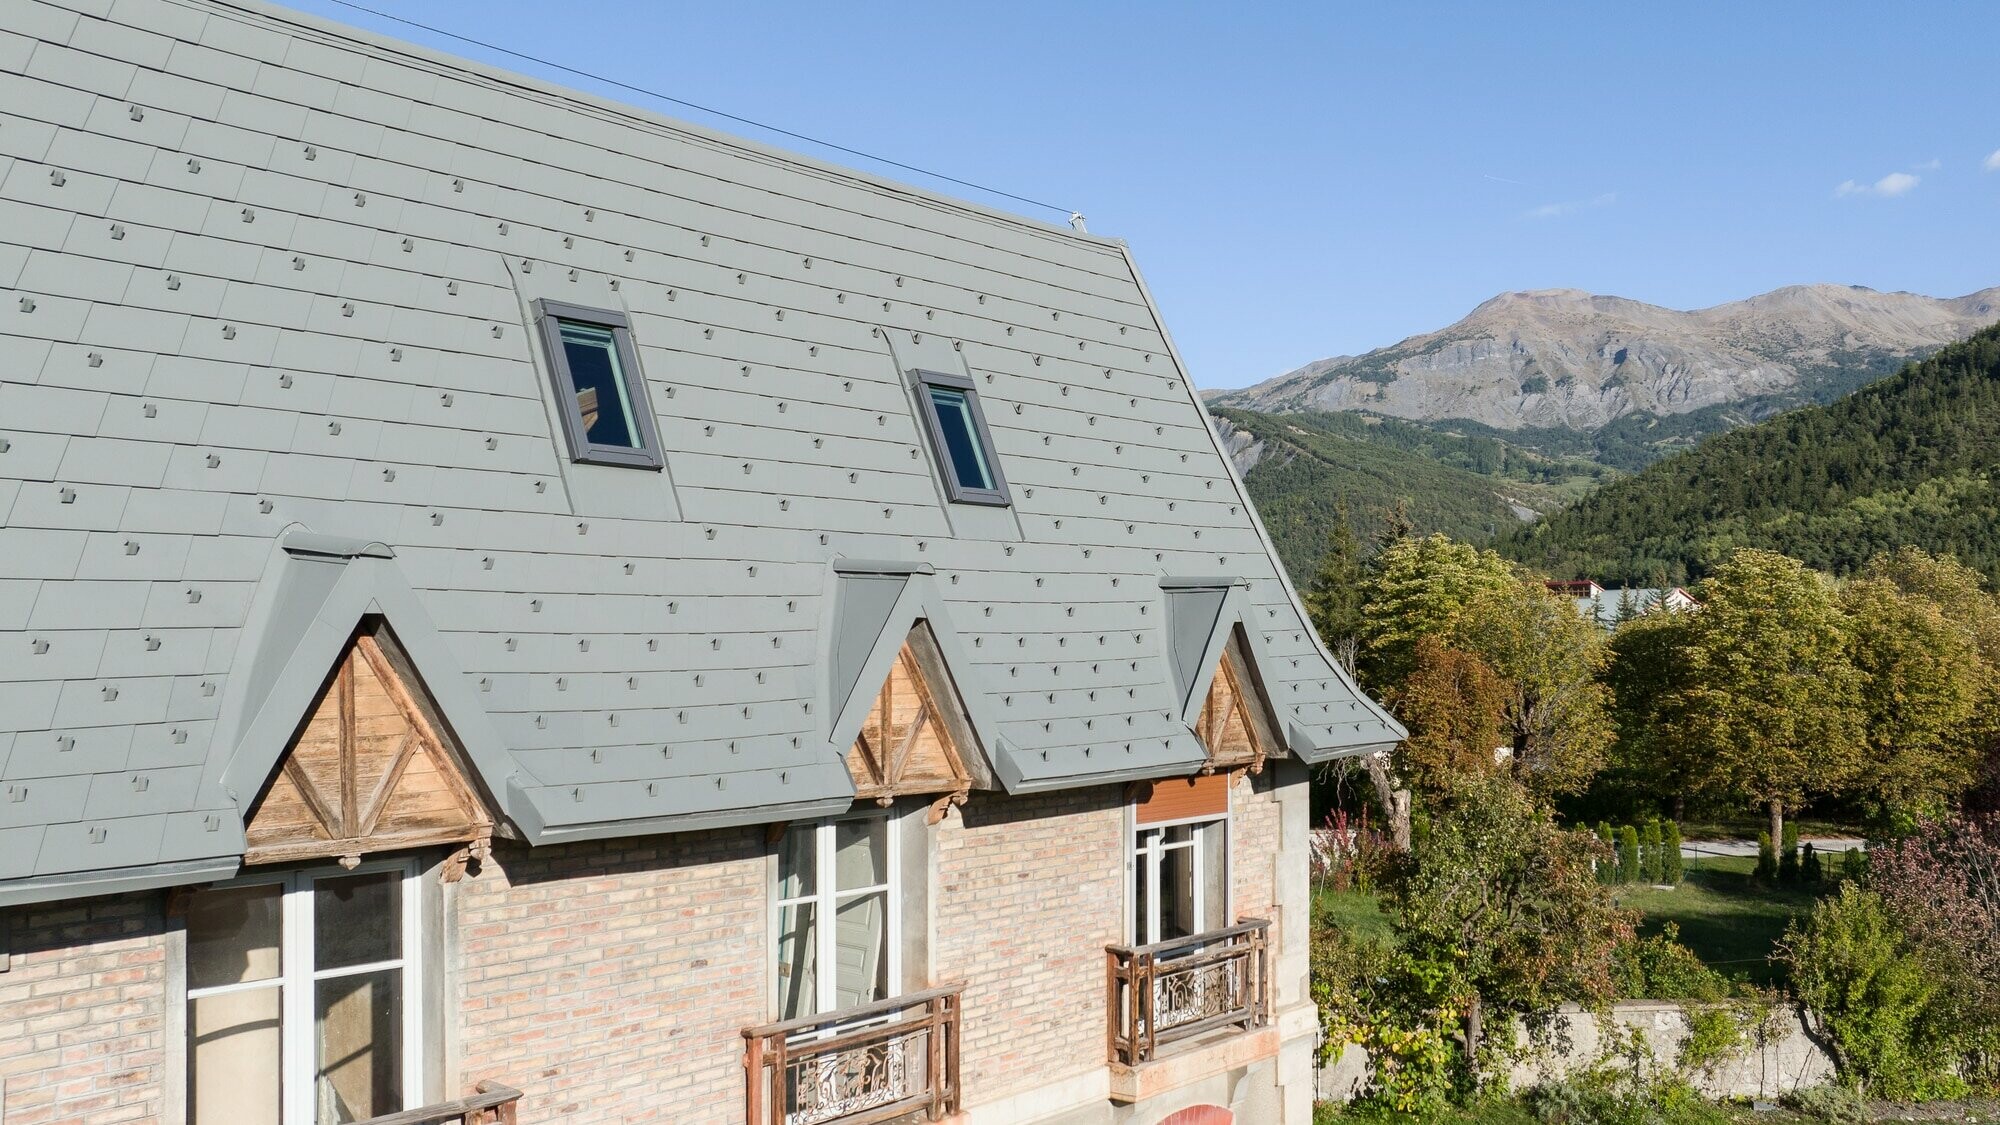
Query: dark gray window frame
[
  {"x": 549, "y": 316},
  {"x": 997, "y": 496}
]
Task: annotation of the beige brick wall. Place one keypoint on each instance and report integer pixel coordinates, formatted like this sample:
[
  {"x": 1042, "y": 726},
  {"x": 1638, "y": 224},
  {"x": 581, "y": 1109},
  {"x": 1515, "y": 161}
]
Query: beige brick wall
[
  {"x": 82, "y": 1009},
  {"x": 611, "y": 981},
  {"x": 1030, "y": 891}
]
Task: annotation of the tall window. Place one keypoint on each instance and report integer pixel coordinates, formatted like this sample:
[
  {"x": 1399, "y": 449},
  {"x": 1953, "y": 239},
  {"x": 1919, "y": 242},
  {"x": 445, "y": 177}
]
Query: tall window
[
  {"x": 959, "y": 438},
  {"x": 838, "y": 915},
  {"x": 1181, "y": 880},
  {"x": 303, "y": 1006},
  {"x": 602, "y": 396}
]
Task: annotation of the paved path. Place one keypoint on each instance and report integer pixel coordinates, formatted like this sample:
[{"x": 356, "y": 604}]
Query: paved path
[{"x": 1710, "y": 849}]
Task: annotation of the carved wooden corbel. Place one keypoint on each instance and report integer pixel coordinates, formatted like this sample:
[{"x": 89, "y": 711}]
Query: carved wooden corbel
[{"x": 941, "y": 807}]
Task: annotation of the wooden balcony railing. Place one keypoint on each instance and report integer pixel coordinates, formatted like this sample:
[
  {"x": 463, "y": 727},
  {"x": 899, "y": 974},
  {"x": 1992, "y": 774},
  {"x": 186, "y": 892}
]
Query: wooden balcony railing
[
  {"x": 492, "y": 1105},
  {"x": 1172, "y": 990},
  {"x": 863, "y": 1065}
]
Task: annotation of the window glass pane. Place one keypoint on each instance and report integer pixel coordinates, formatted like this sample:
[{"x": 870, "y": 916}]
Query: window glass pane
[
  {"x": 599, "y": 380},
  {"x": 961, "y": 438},
  {"x": 798, "y": 953},
  {"x": 357, "y": 919},
  {"x": 233, "y": 1050},
  {"x": 861, "y": 950},
  {"x": 798, "y": 861},
  {"x": 233, "y": 935},
  {"x": 861, "y": 853},
  {"x": 359, "y": 1059},
  {"x": 1213, "y": 842},
  {"x": 1177, "y": 913}
]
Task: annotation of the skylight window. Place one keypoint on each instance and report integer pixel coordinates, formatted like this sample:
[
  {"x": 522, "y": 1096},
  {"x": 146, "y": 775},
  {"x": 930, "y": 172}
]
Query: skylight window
[
  {"x": 959, "y": 438},
  {"x": 601, "y": 393}
]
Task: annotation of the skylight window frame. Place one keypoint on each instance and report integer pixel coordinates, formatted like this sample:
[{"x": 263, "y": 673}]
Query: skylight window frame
[
  {"x": 549, "y": 319},
  {"x": 957, "y": 493}
]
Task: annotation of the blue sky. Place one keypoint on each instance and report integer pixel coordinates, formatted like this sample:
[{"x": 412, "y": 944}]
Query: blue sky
[{"x": 1310, "y": 180}]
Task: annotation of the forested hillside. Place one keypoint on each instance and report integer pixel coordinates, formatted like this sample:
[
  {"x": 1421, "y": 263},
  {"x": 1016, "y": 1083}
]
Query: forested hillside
[
  {"x": 1906, "y": 461},
  {"x": 1306, "y": 467}
]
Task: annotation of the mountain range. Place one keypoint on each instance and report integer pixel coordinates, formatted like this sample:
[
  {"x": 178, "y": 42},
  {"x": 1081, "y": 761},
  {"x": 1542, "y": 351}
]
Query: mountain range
[
  {"x": 1531, "y": 362},
  {"x": 1528, "y": 405}
]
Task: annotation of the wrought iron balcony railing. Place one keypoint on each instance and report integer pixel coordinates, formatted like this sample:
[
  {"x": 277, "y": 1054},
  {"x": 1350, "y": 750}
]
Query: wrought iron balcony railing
[
  {"x": 1172, "y": 990},
  {"x": 863, "y": 1065},
  {"x": 492, "y": 1105}
]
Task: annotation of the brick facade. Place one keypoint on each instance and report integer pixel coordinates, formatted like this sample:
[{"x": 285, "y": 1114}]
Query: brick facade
[
  {"x": 83, "y": 1012},
  {"x": 1030, "y": 892},
  {"x": 611, "y": 981}
]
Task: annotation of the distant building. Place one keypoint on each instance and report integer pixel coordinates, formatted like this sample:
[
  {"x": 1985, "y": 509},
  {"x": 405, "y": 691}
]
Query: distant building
[{"x": 1608, "y": 606}]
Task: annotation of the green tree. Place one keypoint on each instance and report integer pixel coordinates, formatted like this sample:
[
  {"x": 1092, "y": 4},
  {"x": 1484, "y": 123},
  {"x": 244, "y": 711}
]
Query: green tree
[
  {"x": 1768, "y": 705},
  {"x": 1923, "y": 682},
  {"x": 1334, "y": 597},
  {"x": 1654, "y": 871},
  {"x": 1628, "y": 854},
  {"x": 1872, "y": 996},
  {"x": 1646, "y": 667},
  {"x": 1766, "y": 871},
  {"x": 1670, "y": 849},
  {"x": 1788, "y": 854},
  {"x": 1496, "y": 907},
  {"x": 1550, "y": 659},
  {"x": 1418, "y": 588}
]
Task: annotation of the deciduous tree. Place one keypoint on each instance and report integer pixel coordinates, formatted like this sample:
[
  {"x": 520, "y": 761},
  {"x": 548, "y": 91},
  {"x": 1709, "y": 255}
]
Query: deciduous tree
[{"x": 1769, "y": 706}]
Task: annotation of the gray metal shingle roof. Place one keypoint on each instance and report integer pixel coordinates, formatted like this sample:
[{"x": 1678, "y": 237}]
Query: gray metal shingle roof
[{"x": 267, "y": 290}]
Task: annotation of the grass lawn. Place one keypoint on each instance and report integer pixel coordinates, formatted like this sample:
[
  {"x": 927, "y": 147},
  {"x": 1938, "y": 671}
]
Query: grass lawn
[
  {"x": 1726, "y": 921},
  {"x": 1356, "y": 912}
]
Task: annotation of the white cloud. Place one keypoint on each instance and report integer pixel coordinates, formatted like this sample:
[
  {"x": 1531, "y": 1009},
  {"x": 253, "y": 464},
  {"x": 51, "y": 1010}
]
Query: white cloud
[
  {"x": 1931, "y": 165},
  {"x": 1993, "y": 162},
  {"x": 1888, "y": 187},
  {"x": 1570, "y": 207}
]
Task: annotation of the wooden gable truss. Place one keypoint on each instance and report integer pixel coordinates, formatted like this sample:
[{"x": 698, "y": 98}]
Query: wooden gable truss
[
  {"x": 367, "y": 772},
  {"x": 916, "y": 738},
  {"x": 1234, "y": 726}
]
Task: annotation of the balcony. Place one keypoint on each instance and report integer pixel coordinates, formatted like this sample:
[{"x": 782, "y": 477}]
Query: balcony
[
  {"x": 1188, "y": 988},
  {"x": 492, "y": 1105},
  {"x": 879, "y": 1062}
]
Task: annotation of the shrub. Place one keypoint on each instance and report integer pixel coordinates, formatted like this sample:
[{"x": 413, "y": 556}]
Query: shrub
[
  {"x": 1788, "y": 854},
  {"x": 1628, "y": 854},
  {"x": 1607, "y": 867},
  {"x": 1854, "y": 865},
  {"x": 1661, "y": 968},
  {"x": 1872, "y": 997},
  {"x": 1649, "y": 853},
  {"x": 1670, "y": 854},
  {"x": 1766, "y": 871},
  {"x": 1835, "y": 1105},
  {"x": 1810, "y": 871}
]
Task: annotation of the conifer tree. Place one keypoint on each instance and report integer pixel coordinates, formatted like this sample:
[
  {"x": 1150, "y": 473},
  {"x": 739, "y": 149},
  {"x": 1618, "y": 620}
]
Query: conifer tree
[
  {"x": 1766, "y": 871},
  {"x": 1670, "y": 854},
  {"x": 1649, "y": 853},
  {"x": 1628, "y": 854}
]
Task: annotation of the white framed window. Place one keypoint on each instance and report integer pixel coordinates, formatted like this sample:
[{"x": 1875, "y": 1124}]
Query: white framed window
[
  {"x": 838, "y": 915},
  {"x": 1180, "y": 874},
  {"x": 304, "y": 997}
]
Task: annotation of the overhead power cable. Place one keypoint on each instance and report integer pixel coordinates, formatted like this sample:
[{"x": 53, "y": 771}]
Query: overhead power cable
[{"x": 698, "y": 107}]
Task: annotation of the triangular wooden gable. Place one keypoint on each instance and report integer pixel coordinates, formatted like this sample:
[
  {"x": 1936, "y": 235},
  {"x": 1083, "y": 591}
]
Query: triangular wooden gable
[
  {"x": 1232, "y": 726},
  {"x": 914, "y": 739},
  {"x": 368, "y": 772}
]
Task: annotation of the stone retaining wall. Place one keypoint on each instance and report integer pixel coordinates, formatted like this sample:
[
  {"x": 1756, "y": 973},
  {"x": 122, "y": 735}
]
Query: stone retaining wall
[{"x": 1786, "y": 1060}]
